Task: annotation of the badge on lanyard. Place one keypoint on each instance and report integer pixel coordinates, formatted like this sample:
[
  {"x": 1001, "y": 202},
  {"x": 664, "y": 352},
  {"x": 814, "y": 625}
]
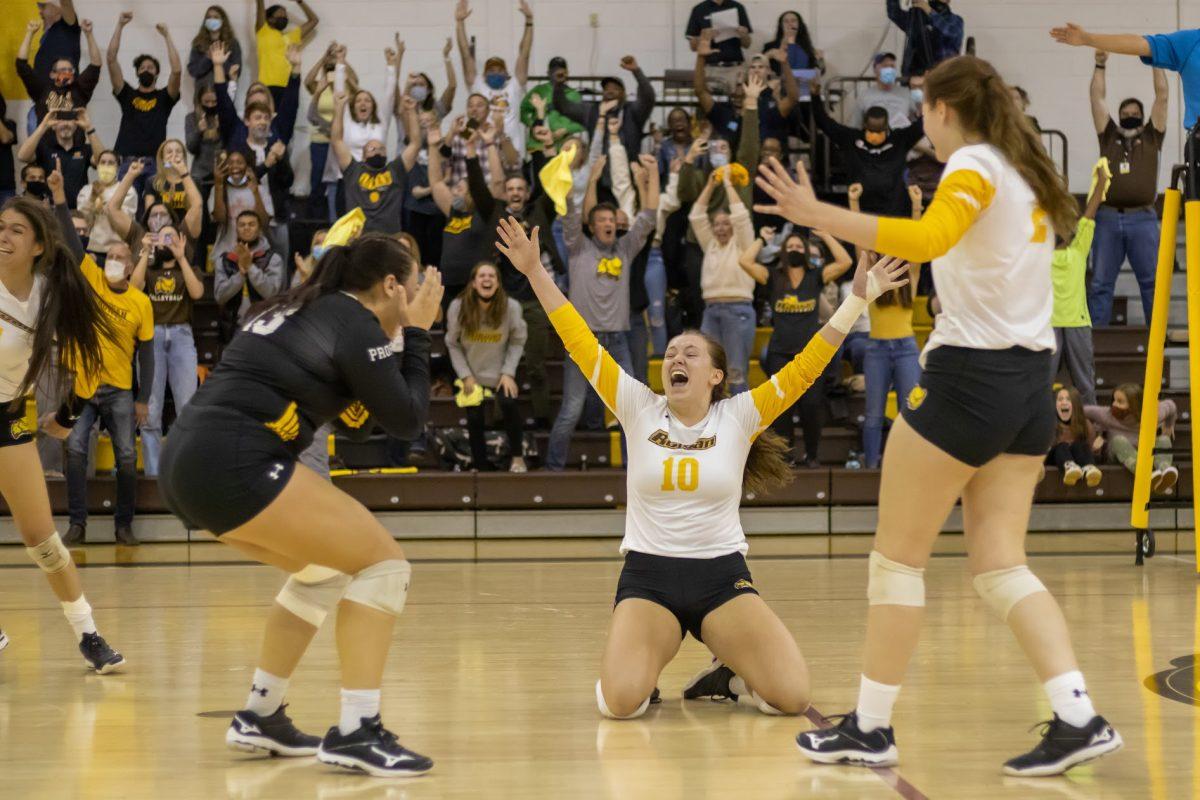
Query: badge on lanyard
[{"x": 1123, "y": 168}]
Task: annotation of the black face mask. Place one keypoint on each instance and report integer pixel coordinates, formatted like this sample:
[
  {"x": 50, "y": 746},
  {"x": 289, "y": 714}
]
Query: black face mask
[
  {"x": 278, "y": 23},
  {"x": 147, "y": 79},
  {"x": 84, "y": 240},
  {"x": 37, "y": 189},
  {"x": 795, "y": 258},
  {"x": 1132, "y": 123},
  {"x": 377, "y": 161},
  {"x": 210, "y": 111}
]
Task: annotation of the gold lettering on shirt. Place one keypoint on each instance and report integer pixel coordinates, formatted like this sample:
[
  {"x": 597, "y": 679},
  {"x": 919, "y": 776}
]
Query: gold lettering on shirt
[
  {"x": 790, "y": 304},
  {"x": 457, "y": 225},
  {"x": 610, "y": 266},
  {"x": 145, "y": 104},
  {"x": 483, "y": 337},
  {"x": 663, "y": 439}
]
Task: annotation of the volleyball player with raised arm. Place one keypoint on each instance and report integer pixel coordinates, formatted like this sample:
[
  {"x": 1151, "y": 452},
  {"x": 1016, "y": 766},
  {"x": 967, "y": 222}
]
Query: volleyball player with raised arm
[
  {"x": 46, "y": 304},
  {"x": 321, "y": 353},
  {"x": 978, "y": 424},
  {"x": 690, "y": 455}
]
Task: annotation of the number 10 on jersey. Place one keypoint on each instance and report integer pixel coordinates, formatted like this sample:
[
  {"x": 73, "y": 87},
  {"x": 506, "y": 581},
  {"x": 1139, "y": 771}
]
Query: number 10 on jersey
[{"x": 684, "y": 477}]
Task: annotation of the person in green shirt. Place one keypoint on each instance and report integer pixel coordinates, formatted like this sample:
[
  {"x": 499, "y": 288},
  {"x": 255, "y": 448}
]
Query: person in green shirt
[
  {"x": 538, "y": 107},
  {"x": 1071, "y": 321}
]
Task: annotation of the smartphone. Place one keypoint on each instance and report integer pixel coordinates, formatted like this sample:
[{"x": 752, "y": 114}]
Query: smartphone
[{"x": 473, "y": 124}]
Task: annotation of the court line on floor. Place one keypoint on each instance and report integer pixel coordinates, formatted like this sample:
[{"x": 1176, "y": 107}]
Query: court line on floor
[{"x": 888, "y": 775}]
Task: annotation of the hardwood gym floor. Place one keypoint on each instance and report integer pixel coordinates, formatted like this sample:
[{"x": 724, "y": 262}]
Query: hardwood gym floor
[{"x": 492, "y": 670}]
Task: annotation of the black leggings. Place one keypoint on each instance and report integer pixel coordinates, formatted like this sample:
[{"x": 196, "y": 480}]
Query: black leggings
[
  {"x": 512, "y": 425},
  {"x": 1080, "y": 452},
  {"x": 811, "y": 407}
]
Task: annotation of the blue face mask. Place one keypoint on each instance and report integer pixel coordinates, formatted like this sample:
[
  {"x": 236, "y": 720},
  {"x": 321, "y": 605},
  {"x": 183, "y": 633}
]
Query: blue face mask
[
  {"x": 318, "y": 252},
  {"x": 213, "y": 24},
  {"x": 419, "y": 92},
  {"x": 816, "y": 261},
  {"x": 887, "y": 76},
  {"x": 496, "y": 80},
  {"x": 918, "y": 96},
  {"x": 718, "y": 159}
]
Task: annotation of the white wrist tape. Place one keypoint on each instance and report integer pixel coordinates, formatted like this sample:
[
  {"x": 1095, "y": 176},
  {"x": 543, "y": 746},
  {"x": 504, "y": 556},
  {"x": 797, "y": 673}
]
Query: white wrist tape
[{"x": 848, "y": 313}]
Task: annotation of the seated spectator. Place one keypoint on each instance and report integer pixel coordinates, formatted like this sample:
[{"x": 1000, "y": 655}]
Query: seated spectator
[
  {"x": 146, "y": 109},
  {"x": 33, "y": 183},
  {"x": 726, "y": 61},
  {"x": 887, "y": 93},
  {"x": 727, "y": 290},
  {"x": 538, "y": 106},
  {"x": 274, "y": 40},
  {"x": 874, "y": 155},
  {"x": 236, "y": 190},
  {"x": 215, "y": 28},
  {"x": 632, "y": 113},
  {"x": 68, "y": 149},
  {"x": 933, "y": 33},
  {"x": 62, "y": 87},
  {"x": 93, "y": 202},
  {"x": 8, "y": 138},
  {"x": 600, "y": 274},
  {"x": 111, "y": 391},
  {"x": 305, "y": 264},
  {"x": 1072, "y": 325},
  {"x": 795, "y": 289},
  {"x": 1072, "y": 450},
  {"x": 60, "y": 36},
  {"x": 485, "y": 335},
  {"x": 251, "y": 270},
  {"x": 1127, "y": 222},
  {"x": 792, "y": 45},
  {"x": 503, "y": 92},
  {"x": 1119, "y": 426},
  {"x": 373, "y": 183},
  {"x": 172, "y": 284}
]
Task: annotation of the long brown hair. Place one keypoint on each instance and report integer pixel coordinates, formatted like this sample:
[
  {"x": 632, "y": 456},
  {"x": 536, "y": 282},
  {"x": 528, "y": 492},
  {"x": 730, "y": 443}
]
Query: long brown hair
[
  {"x": 1078, "y": 426},
  {"x": 475, "y": 313},
  {"x": 203, "y": 39},
  {"x": 980, "y": 98},
  {"x": 767, "y": 464},
  {"x": 70, "y": 315},
  {"x": 1133, "y": 395}
]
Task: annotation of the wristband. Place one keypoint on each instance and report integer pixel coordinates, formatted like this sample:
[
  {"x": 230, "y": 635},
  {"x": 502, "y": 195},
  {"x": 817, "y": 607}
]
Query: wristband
[
  {"x": 92, "y": 132},
  {"x": 848, "y": 313},
  {"x": 1099, "y": 66}
]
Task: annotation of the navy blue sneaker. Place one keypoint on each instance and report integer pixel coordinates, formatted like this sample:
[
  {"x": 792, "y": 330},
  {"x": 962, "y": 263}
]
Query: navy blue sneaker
[
  {"x": 846, "y": 744},
  {"x": 98, "y": 655},
  {"x": 274, "y": 734},
  {"x": 372, "y": 749}
]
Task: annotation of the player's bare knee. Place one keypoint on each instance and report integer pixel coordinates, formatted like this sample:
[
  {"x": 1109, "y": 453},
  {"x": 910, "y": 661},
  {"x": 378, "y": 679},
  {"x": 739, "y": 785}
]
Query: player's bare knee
[{"x": 622, "y": 699}]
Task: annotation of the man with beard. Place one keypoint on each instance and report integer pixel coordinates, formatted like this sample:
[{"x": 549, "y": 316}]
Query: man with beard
[
  {"x": 374, "y": 184},
  {"x": 1127, "y": 223},
  {"x": 632, "y": 113},
  {"x": 146, "y": 109},
  {"x": 60, "y": 88}
]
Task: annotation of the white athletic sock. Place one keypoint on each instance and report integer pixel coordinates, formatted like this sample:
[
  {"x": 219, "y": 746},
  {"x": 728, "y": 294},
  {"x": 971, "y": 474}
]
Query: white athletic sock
[
  {"x": 739, "y": 687},
  {"x": 748, "y": 697},
  {"x": 266, "y": 693},
  {"x": 79, "y": 614},
  {"x": 357, "y": 704},
  {"x": 1069, "y": 698},
  {"x": 875, "y": 701}
]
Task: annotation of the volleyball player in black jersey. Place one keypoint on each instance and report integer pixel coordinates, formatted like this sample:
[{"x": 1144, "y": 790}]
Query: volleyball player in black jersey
[{"x": 320, "y": 353}]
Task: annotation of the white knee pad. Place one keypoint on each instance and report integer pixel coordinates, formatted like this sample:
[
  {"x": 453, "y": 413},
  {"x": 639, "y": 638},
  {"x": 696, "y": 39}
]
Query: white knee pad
[
  {"x": 382, "y": 586},
  {"x": 893, "y": 584},
  {"x": 604, "y": 706},
  {"x": 1002, "y": 589},
  {"x": 51, "y": 555},
  {"x": 312, "y": 592}
]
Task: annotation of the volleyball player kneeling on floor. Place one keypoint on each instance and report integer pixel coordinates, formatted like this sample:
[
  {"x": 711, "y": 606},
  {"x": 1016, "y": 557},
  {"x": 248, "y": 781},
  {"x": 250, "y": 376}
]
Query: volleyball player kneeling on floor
[
  {"x": 690, "y": 453},
  {"x": 322, "y": 352},
  {"x": 45, "y": 302},
  {"x": 979, "y": 423}
]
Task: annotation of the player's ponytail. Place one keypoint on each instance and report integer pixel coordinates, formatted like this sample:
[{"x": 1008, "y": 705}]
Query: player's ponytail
[
  {"x": 767, "y": 464},
  {"x": 981, "y": 99}
]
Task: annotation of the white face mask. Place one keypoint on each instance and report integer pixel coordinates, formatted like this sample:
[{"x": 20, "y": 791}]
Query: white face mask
[{"x": 114, "y": 271}]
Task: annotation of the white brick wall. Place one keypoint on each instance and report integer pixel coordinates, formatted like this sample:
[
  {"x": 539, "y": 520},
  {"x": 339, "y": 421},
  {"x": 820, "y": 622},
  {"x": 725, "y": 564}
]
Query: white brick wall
[{"x": 1014, "y": 34}]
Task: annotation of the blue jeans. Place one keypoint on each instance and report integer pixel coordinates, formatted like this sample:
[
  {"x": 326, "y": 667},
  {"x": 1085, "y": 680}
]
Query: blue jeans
[
  {"x": 656, "y": 288},
  {"x": 854, "y": 349},
  {"x": 733, "y": 325},
  {"x": 115, "y": 408},
  {"x": 575, "y": 392},
  {"x": 174, "y": 361},
  {"x": 887, "y": 363},
  {"x": 1133, "y": 235}
]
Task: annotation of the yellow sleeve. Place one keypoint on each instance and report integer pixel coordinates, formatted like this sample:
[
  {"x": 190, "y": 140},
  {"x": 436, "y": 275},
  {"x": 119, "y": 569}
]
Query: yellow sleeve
[
  {"x": 597, "y": 365},
  {"x": 93, "y": 275},
  {"x": 783, "y": 389},
  {"x": 145, "y": 330},
  {"x": 961, "y": 197}
]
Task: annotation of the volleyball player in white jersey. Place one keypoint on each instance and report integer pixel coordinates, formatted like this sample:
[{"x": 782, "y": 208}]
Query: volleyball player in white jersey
[
  {"x": 685, "y": 568},
  {"x": 978, "y": 423},
  {"x": 45, "y": 303}
]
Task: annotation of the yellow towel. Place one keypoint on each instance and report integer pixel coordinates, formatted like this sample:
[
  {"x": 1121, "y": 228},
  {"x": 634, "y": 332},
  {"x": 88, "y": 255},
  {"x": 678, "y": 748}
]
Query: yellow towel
[
  {"x": 556, "y": 178},
  {"x": 475, "y": 398},
  {"x": 346, "y": 229},
  {"x": 1101, "y": 166},
  {"x": 738, "y": 175}
]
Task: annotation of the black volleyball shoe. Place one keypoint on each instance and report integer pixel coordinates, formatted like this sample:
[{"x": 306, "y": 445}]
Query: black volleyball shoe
[
  {"x": 372, "y": 749},
  {"x": 98, "y": 655},
  {"x": 711, "y": 682},
  {"x": 846, "y": 744},
  {"x": 274, "y": 734},
  {"x": 1063, "y": 746}
]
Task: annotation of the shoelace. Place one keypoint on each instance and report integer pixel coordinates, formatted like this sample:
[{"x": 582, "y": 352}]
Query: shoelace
[
  {"x": 383, "y": 734},
  {"x": 1046, "y": 726}
]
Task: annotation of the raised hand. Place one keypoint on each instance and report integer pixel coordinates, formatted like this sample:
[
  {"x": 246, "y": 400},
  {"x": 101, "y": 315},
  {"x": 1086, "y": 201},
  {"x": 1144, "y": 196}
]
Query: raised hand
[
  {"x": 86, "y": 26},
  {"x": 794, "y": 199},
  {"x": 462, "y": 11},
  {"x": 915, "y": 194},
  {"x": 526, "y": 11},
  {"x": 539, "y": 104},
  {"x": 136, "y": 168},
  {"x": 606, "y": 106},
  {"x": 422, "y": 309},
  {"x": 54, "y": 181},
  {"x": 521, "y": 249},
  {"x": 277, "y": 152},
  {"x": 125, "y": 18},
  {"x": 754, "y": 87},
  {"x": 32, "y": 27},
  {"x": 704, "y": 47},
  {"x": 433, "y": 136},
  {"x": 1101, "y": 58},
  {"x": 218, "y": 53},
  {"x": 162, "y": 30},
  {"x": 766, "y": 233},
  {"x": 873, "y": 278},
  {"x": 629, "y": 63},
  {"x": 854, "y": 191},
  {"x": 1070, "y": 34},
  {"x": 399, "y": 46},
  {"x": 449, "y": 46},
  {"x": 389, "y": 56},
  {"x": 598, "y": 167},
  {"x": 648, "y": 161},
  {"x": 543, "y": 135}
]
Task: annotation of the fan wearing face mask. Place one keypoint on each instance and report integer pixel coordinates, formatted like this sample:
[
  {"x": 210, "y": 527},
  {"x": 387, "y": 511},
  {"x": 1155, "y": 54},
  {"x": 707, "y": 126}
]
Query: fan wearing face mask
[
  {"x": 214, "y": 28},
  {"x": 1119, "y": 425},
  {"x": 61, "y": 141},
  {"x": 504, "y": 91},
  {"x": 93, "y": 199},
  {"x": 1127, "y": 222},
  {"x": 274, "y": 39},
  {"x": 373, "y": 183},
  {"x": 145, "y": 108},
  {"x": 886, "y": 92},
  {"x": 60, "y": 86}
]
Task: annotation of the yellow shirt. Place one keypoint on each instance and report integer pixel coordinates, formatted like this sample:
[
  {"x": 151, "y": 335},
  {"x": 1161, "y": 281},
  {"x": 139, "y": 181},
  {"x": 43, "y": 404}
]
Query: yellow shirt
[
  {"x": 273, "y": 66},
  {"x": 133, "y": 319},
  {"x": 325, "y": 111},
  {"x": 894, "y": 321}
]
